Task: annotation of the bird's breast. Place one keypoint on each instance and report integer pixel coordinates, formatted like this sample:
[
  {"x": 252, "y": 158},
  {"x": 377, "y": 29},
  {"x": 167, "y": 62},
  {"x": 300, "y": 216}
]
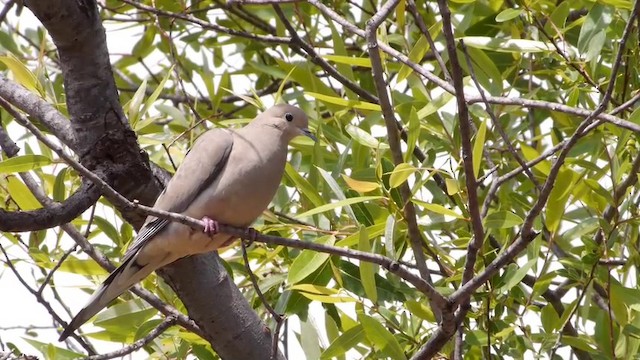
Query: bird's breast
[{"x": 243, "y": 190}]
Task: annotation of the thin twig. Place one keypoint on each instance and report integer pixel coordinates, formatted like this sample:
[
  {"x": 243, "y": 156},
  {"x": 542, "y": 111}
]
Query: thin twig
[
  {"x": 278, "y": 318},
  {"x": 157, "y": 331}
]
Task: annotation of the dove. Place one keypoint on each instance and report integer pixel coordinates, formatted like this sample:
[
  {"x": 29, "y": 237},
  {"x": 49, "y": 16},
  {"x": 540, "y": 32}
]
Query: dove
[{"x": 227, "y": 177}]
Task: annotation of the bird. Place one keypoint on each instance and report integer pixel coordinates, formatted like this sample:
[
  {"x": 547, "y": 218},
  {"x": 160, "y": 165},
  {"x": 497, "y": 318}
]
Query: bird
[{"x": 227, "y": 177}]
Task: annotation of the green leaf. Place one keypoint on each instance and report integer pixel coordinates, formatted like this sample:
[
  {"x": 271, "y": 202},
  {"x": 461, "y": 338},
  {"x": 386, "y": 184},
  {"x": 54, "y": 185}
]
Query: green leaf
[
  {"x": 558, "y": 19},
  {"x": 23, "y": 163},
  {"x": 400, "y": 174},
  {"x": 306, "y": 189},
  {"x": 558, "y": 198},
  {"x": 108, "y": 229},
  {"x": 80, "y": 267},
  {"x": 502, "y": 220},
  {"x": 360, "y": 186},
  {"x": 21, "y": 194},
  {"x": 322, "y": 294},
  {"x": 344, "y": 102},
  {"x": 364, "y": 138},
  {"x": 514, "y": 278},
  {"x": 508, "y": 14},
  {"x": 343, "y": 343},
  {"x": 337, "y": 204},
  {"x": 337, "y": 190},
  {"x": 507, "y": 45},
  {"x": 478, "y": 147},
  {"x": 437, "y": 208},
  {"x": 531, "y": 154},
  {"x": 309, "y": 261},
  {"x": 52, "y": 351},
  {"x": 418, "y": 51},
  {"x": 21, "y": 73},
  {"x": 125, "y": 315},
  {"x": 434, "y": 105},
  {"x": 549, "y": 318},
  {"x": 349, "y": 60},
  {"x": 413, "y": 134},
  {"x": 133, "y": 105},
  {"x": 367, "y": 269},
  {"x": 59, "y": 191},
  {"x": 593, "y": 31},
  {"x": 421, "y": 310},
  {"x": 381, "y": 338}
]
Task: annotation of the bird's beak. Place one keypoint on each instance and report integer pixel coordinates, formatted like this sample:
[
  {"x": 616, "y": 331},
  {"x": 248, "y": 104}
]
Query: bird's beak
[{"x": 308, "y": 133}]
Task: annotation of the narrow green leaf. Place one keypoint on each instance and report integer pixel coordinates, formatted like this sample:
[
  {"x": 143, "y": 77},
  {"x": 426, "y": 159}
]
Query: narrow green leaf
[
  {"x": 344, "y": 102},
  {"x": 381, "y": 338},
  {"x": 434, "y": 105},
  {"x": 309, "y": 339},
  {"x": 337, "y": 190},
  {"x": 367, "y": 269},
  {"x": 52, "y": 351},
  {"x": 558, "y": 198},
  {"x": 21, "y": 73},
  {"x": 364, "y": 138},
  {"x": 437, "y": 208},
  {"x": 108, "y": 229},
  {"x": 502, "y": 220},
  {"x": 507, "y": 45},
  {"x": 322, "y": 294},
  {"x": 154, "y": 96},
  {"x": 349, "y": 60},
  {"x": 125, "y": 315},
  {"x": 388, "y": 236},
  {"x": 514, "y": 278},
  {"x": 593, "y": 30},
  {"x": 309, "y": 261},
  {"x": 478, "y": 147},
  {"x": 305, "y": 188},
  {"x": 21, "y": 194},
  {"x": 421, "y": 310},
  {"x": 413, "y": 134},
  {"x": 400, "y": 174},
  {"x": 549, "y": 319},
  {"x": 508, "y": 14},
  {"x": 531, "y": 154},
  {"x": 133, "y": 106},
  {"x": 23, "y": 163},
  {"x": 337, "y": 204},
  {"x": 343, "y": 343},
  {"x": 359, "y": 185},
  {"x": 59, "y": 188},
  {"x": 415, "y": 55}
]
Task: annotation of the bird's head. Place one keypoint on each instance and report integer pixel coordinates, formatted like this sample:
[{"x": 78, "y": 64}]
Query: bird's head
[{"x": 291, "y": 120}]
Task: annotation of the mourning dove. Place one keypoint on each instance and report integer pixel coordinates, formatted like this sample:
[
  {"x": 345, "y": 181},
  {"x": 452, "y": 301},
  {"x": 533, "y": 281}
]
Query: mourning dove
[{"x": 228, "y": 177}]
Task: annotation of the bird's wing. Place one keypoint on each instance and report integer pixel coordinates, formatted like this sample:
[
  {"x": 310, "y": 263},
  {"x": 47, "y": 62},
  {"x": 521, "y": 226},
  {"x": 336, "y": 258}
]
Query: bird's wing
[{"x": 200, "y": 168}]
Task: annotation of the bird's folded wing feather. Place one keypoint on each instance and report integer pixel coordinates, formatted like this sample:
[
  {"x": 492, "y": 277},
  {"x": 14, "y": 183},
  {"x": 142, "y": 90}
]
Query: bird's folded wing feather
[{"x": 202, "y": 165}]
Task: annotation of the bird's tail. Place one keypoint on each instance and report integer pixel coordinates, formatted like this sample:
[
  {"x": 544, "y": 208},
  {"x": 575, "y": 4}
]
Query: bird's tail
[{"x": 120, "y": 280}]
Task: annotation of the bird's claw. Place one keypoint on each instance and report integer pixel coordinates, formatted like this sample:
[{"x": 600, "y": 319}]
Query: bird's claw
[
  {"x": 250, "y": 235},
  {"x": 210, "y": 226}
]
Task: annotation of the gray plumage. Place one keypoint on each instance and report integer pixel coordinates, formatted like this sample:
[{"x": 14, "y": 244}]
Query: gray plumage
[{"x": 228, "y": 176}]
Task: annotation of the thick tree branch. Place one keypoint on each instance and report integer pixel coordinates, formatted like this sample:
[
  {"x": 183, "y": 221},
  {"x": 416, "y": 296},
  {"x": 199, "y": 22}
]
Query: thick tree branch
[
  {"x": 39, "y": 109},
  {"x": 415, "y": 236}
]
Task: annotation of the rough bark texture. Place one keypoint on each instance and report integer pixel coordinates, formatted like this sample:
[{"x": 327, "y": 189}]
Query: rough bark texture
[{"x": 106, "y": 144}]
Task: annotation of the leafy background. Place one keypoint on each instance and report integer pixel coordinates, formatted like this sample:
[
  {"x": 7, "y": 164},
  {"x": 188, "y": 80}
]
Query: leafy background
[{"x": 543, "y": 68}]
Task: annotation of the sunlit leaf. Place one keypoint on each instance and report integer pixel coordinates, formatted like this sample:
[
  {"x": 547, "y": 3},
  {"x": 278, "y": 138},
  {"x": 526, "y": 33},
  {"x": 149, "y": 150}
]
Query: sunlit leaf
[{"x": 23, "y": 163}]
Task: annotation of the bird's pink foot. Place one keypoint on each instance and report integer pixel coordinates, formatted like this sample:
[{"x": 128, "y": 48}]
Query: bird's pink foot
[{"x": 210, "y": 226}]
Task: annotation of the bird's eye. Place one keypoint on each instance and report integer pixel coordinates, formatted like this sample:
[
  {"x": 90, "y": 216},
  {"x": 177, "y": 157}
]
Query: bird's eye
[{"x": 288, "y": 117}]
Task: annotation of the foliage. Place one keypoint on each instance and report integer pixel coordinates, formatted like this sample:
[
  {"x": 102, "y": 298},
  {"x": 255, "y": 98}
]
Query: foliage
[{"x": 543, "y": 67}]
